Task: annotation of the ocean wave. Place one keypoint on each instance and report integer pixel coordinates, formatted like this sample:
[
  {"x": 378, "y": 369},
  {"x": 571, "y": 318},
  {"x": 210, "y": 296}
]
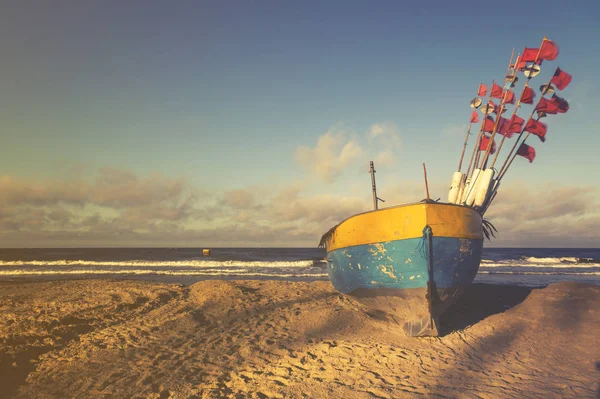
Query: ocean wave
[
  {"x": 539, "y": 273},
  {"x": 531, "y": 261},
  {"x": 209, "y": 273},
  {"x": 178, "y": 263}
]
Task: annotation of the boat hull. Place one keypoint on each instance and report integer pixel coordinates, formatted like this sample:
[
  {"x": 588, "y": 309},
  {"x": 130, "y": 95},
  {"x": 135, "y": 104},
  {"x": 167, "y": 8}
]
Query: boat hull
[{"x": 414, "y": 261}]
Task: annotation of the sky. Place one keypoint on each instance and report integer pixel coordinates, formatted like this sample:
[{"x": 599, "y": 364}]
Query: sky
[{"x": 252, "y": 123}]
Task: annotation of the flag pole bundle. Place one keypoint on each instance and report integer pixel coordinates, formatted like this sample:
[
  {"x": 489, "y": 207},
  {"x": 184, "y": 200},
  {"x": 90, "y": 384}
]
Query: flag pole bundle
[
  {"x": 464, "y": 180},
  {"x": 479, "y": 185},
  {"x": 458, "y": 177}
]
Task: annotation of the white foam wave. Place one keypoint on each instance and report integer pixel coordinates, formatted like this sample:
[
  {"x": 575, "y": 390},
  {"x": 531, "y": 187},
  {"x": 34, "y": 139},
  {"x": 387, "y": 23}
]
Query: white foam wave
[
  {"x": 214, "y": 273},
  {"x": 147, "y": 263},
  {"x": 543, "y": 265},
  {"x": 541, "y": 273},
  {"x": 533, "y": 259}
]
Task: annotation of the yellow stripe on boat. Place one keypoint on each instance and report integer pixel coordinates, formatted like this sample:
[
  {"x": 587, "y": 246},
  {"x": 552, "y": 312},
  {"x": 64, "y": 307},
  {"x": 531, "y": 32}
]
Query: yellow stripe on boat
[{"x": 405, "y": 222}]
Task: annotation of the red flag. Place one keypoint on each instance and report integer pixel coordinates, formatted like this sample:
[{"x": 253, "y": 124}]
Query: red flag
[
  {"x": 482, "y": 90},
  {"x": 503, "y": 125},
  {"x": 528, "y": 95},
  {"x": 516, "y": 124},
  {"x": 488, "y": 125},
  {"x": 562, "y": 105},
  {"x": 530, "y": 55},
  {"x": 547, "y": 106},
  {"x": 483, "y": 144},
  {"x": 496, "y": 91},
  {"x": 526, "y": 151},
  {"x": 561, "y": 79},
  {"x": 549, "y": 50},
  {"x": 474, "y": 117},
  {"x": 510, "y": 97},
  {"x": 536, "y": 127},
  {"x": 496, "y": 108}
]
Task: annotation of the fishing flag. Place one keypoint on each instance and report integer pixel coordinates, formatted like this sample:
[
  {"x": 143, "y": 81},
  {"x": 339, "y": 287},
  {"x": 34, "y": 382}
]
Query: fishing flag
[
  {"x": 549, "y": 50},
  {"x": 496, "y": 108},
  {"x": 510, "y": 97},
  {"x": 528, "y": 95},
  {"x": 496, "y": 91},
  {"x": 547, "y": 106},
  {"x": 482, "y": 90},
  {"x": 503, "y": 125},
  {"x": 562, "y": 105},
  {"x": 561, "y": 79},
  {"x": 530, "y": 55},
  {"x": 488, "y": 124},
  {"x": 508, "y": 127},
  {"x": 483, "y": 144},
  {"x": 526, "y": 151},
  {"x": 538, "y": 128},
  {"x": 516, "y": 124},
  {"x": 474, "y": 117},
  {"x": 522, "y": 65}
]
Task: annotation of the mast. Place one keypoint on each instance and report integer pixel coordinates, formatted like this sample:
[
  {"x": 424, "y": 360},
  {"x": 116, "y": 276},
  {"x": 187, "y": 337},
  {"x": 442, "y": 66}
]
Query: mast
[{"x": 373, "y": 186}]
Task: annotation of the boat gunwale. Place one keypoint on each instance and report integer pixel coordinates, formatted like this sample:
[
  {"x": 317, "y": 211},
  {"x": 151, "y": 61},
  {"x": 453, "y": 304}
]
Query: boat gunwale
[{"x": 401, "y": 206}]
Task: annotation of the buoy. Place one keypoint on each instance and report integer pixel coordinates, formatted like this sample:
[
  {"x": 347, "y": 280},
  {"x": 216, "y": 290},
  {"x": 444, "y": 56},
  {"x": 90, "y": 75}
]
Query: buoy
[
  {"x": 483, "y": 186},
  {"x": 472, "y": 190},
  {"x": 206, "y": 252},
  {"x": 454, "y": 187},
  {"x": 463, "y": 189}
]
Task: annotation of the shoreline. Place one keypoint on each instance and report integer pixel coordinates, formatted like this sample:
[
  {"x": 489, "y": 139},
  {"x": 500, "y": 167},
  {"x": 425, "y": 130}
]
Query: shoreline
[{"x": 284, "y": 339}]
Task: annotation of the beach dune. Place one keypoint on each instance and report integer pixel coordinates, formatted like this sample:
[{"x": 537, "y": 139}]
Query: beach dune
[{"x": 274, "y": 339}]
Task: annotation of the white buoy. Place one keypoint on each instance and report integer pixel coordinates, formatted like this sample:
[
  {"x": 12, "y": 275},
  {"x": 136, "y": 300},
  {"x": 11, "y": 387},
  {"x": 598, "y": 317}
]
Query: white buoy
[
  {"x": 483, "y": 186},
  {"x": 463, "y": 189},
  {"x": 454, "y": 187},
  {"x": 472, "y": 189}
]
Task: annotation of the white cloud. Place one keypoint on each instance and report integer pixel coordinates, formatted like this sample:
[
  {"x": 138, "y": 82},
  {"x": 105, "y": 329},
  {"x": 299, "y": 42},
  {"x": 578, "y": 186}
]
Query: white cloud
[
  {"x": 385, "y": 133},
  {"x": 337, "y": 149},
  {"x": 334, "y": 151},
  {"x": 385, "y": 158}
]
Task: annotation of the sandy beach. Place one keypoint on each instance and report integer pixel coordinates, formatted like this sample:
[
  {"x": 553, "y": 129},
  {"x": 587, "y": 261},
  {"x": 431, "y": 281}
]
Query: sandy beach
[{"x": 273, "y": 339}]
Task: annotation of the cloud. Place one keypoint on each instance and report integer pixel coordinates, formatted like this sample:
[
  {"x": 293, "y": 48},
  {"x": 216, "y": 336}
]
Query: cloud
[
  {"x": 111, "y": 187},
  {"x": 385, "y": 158},
  {"x": 113, "y": 200},
  {"x": 239, "y": 198},
  {"x": 333, "y": 152},
  {"x": 546, "y": 216},
  {"x": 386, "y": 134},
  {"x": 120, "y": 208},
  {"x": 337, "y": 149}
]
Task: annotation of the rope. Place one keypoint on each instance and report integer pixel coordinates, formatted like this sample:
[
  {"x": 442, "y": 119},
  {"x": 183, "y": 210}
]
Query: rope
[{"x": 422, "y": 247}]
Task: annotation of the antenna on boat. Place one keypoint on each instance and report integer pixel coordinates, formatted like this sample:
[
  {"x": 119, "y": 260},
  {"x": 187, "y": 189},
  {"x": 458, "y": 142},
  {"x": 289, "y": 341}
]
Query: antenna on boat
[
  {"x": 375, "y": 197},
  {"x": 426, "y": 185}
]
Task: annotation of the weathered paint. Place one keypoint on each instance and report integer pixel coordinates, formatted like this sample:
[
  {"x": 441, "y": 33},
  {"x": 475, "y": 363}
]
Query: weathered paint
[
  {"x": 406, "y": 222},
  {"x": 453, "y": 264},
  {"x": 380, "y": 255}
]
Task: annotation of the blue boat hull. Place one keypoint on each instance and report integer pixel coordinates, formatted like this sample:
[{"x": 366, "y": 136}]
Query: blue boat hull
[{"x": 393, "y": 277}]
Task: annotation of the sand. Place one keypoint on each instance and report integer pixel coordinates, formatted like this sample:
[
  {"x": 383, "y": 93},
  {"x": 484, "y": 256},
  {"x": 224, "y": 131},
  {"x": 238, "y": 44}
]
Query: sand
[{"x": 273, "y": 339}]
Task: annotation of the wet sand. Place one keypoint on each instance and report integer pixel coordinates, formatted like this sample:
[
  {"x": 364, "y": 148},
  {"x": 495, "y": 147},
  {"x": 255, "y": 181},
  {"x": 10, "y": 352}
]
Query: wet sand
[{"x": 274, "y": 339}]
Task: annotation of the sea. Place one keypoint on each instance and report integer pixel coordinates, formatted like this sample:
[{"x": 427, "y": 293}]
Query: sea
[{"x": 517, "y": 266}]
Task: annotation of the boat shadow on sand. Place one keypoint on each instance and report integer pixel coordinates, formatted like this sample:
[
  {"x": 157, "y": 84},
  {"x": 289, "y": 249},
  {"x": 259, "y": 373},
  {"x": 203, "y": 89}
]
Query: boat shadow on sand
[{"x": 480, "y": 301}]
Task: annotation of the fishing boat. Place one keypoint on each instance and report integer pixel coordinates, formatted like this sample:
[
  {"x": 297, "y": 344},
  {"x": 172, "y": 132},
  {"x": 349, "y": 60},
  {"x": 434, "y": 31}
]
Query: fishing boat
[{"x": 413, "y": 261}]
